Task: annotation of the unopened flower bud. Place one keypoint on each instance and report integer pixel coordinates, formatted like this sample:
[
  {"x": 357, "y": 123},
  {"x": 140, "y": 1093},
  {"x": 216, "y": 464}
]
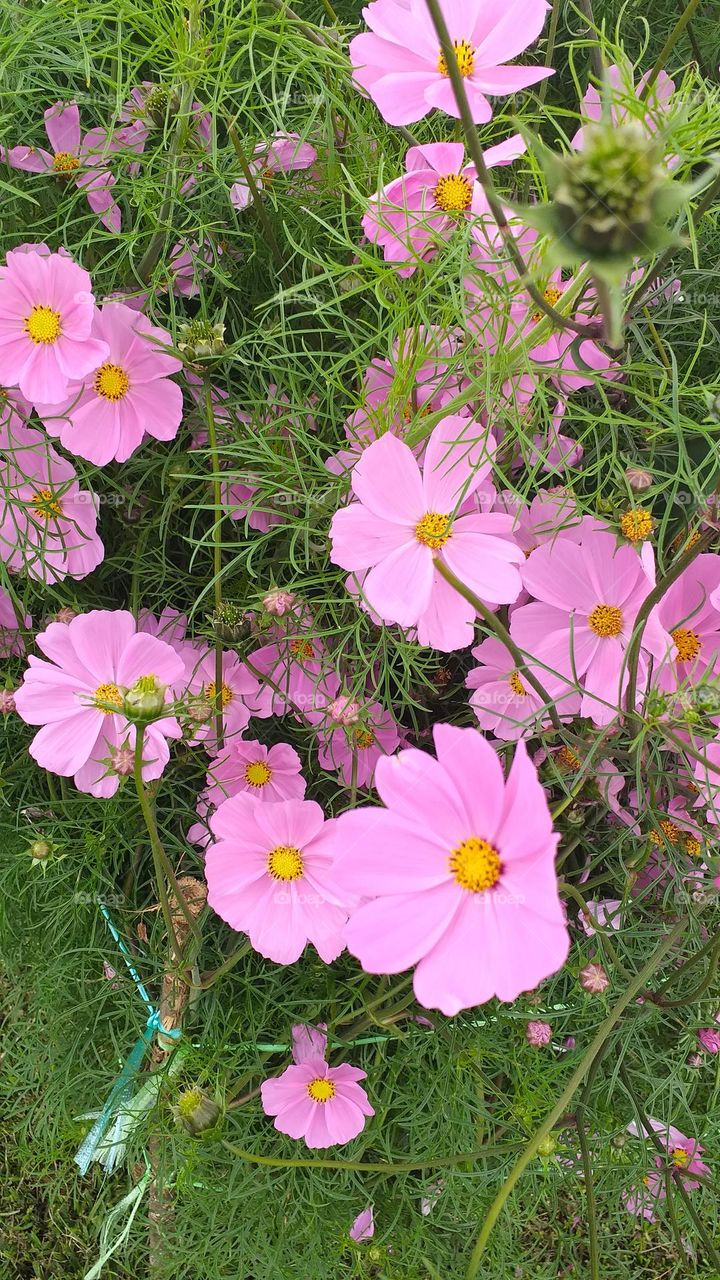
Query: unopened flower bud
[
  {"x": 65, "y": 614},
  {"x": 7, "y": 702},
  {"x": 694, "y": 1060},
  {"x": 278, "y": 602},
  {"x": 199, "y": 339},
  {"x": 161, "y": 104},
  {"x": 594, "y": 979},
  {"x": 538, "y": 1034},
  {"x": 196, "y": 1111},
  {"x": 39, "y": 850},
  {"x": 709, "y": 1038},
  {"x": 146, "y": 699},
  {"x": 230, "y": 621},
  {"x": 638, "y": 479},
  {"x": 619, "y": 1141},
  {"x": 547, "y": 1146},
  {"x": 122, "y": 760},
  {"x": 344, "y": 710},
  {"x": 199, "y": 710}
]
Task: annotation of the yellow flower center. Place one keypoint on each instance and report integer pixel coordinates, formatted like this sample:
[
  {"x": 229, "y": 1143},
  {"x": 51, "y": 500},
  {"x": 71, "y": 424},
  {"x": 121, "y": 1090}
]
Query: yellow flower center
[
  {"x": 43, "y": 325},
  {"x": 108, "y": 693},
  {"x": 453, "y": 193},
  {"x": 433, "y": 530},
  {"x": 226, "y": 693},
  {"x": 636, "y": 524},
  {"x": 111, "y": 382},
  {"x": 475, "y": 865},
  {"x": 669, "y": 830},
  {"x": 285, "y": 862},
  {"x": 693, "y": 847},
  {"x": 257, "y": 773},
  {"x": 364, "y": 738},
  {"x": 302, "y": 649},
  {"x": 552, "y": 296},
  {"x": 566, "y": 759},
  {"x": 64, "y": 162},
  {"x": 687, "y": 643},
  {"x": 464, "y": 56},
  {"x": 46, "y": 504},
  {"x": 517, "y": 685},
  {"x": 680, "y": 1157},
  {"x": 606, "y": 620},
  {"x": 321, "y": 1090}
]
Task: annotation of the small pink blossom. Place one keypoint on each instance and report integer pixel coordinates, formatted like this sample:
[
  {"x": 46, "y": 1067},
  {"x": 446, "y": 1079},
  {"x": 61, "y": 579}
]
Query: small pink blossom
[
  {"x": 399, "y": 61},
  {"x": 354, "y": 747},
  {"x": 503, "y": 699},
  {"x": 594, "y": 979},
  {"x": 538, "y": 1034},
  {"x": 269, "y": 774},
  {"x": 363, "y": 1228},
  {"x": 344, "y": 710},
  {"x": 284, "y": 153},
  {"x": 48, "y": 524},
  {"x": 238, "y": 686},
  {"x": 7, "y": 702},
  {"x": 709, "y": 1038},
  {"x": 324, "y": 1105},
  {"x": 278, "y": 602}
]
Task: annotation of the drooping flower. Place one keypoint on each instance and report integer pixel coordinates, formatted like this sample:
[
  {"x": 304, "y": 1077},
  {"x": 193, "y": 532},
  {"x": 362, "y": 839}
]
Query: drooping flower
[
  {"x": 324, "y": 1105},
  {"x": 400, "y": 64},
  {"x": 46, "y": 317},
  {"x": 587, "y": 598},
  {"x": 412, "y": 213},
  {"x": 284, "y": 153},
  {"x": 76, "y": 694},
  {"x": 130, "y": 395},
  {"x": 404, "y": 518},
  {"x": 355, "y": 750},
  {"x": 269, "y": 774},
  {"x": 456, "y": 879},
  {"x": 48, "y": 524},
  {"x": 84, "y": 159},
  {"x": 269, "y": 875}
]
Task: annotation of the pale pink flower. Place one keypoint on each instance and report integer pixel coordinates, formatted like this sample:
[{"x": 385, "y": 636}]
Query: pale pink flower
[
  {"x": 88, "y": 665},
  {"x": 587, "y": 600},
  {"x": 46, "y": 316},
  {"x": 344, "y": 710},
  {"x": 456, "y": 879},
  {"x": 621, "y": 93},
  {"x": 269, "y": 774},
  {"x": 355, "y": 751},
  {"x": 538, "y": 1034},
  {"x": 324, "y": 1105},
  {"x": 170, "y": 625},
  {"x": 399, "y": 61},
  {"x": 709, "y": 1038},
  {"x": 278, "y": 602},
  {"x": 503, "y": 699},
  {"x": 269, "y": 876},
  {"x": 363, "y": 1228},
  {"x": 130, "y": 395},
  {"x": 683, "y": 1159},
  {"x": 11, "y": 621},
  {"x": 48, "y": 524},
  {"x": 295, "y": 675},
  {"x": 688, "y": 613},
  {"x": 238, "y": 687},
  {"x": 438, "y": 190},
  {"x": 284, "y": 153},
  {"x": 405, "y": 518}
]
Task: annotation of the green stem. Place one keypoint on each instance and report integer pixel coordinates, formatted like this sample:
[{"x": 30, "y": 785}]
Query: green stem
[
  {"x": 550, "y": 48},
  {"x": 702, "y": 986},
  {"x": 661, "y": 60},
  {"x": 576, "y": 1079},
  {"x": 502, "y": 634},
  {"x": 360, "y": 1166},
  {"x": 155, "y": 843},
  {"x": 256, "y": 198},
  {"x": 217, "y": 558}
]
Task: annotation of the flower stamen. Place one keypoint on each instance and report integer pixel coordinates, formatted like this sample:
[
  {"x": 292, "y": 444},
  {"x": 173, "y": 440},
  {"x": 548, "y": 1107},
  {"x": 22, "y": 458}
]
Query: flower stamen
[{"x": 475, "y": 865}]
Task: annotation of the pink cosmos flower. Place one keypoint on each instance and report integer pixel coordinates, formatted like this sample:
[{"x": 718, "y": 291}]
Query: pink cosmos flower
[
  {"x": 324, "y": 1105},
  {"x": 363, "y": 1228},
  {"x": 269, "y": 774},
  {"x": 587, "y": 599},
  {"x": 683, "y": 1158},
  {"x": 88, "y": 664},
  {"x": 400, "y": 64},
  {"x": 503, "y": 699},
  {"x": 11, "y": 642},
  {"x": 687, "y": 612},
  {"x": 128, "y": 396},
  {"x": 269, "y": 875},
  {"x": 622, "y": 91},
  {"x": 709, "y": 1039},
  {"x": 238, "y": 685},
  {"x": 82, "y": 158},
  {"x": 48, "y": 524},
  {"x": 359, "y": 746},
  {"x": 170, "y": 625},
  {"x": 46, "y": 316},
  {"x": 405, "y": 518},
  {"x": 284, "y": 153},
  {"x": 456, "y": 879},
  {"x": 295, "y": 675},
  {"x": 409, "y": 215}
]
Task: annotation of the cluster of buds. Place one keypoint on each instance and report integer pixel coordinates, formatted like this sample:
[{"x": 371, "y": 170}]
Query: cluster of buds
[{"x": 199, "y": 339}]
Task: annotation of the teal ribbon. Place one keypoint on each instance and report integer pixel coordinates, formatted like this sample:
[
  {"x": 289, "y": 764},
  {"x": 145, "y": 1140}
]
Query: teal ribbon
[{"x": 121, "y": 1092}]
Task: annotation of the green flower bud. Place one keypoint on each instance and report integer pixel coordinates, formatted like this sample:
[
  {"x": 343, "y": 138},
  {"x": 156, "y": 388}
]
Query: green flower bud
[
  {"x": 548, "y": 1146},
  {"x": 161, "y": 104},
  {"x": 196, "y": 1111},
  {"x": 39, "y": 850},
  {"x": 198, "y": 338},
  {"x": 230, "y": 621},
  {"x": 145, "y": 700}
]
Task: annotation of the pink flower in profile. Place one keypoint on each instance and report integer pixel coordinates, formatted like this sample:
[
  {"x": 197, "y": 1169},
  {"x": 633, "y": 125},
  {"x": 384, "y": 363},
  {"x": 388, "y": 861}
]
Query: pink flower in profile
[
  {"x": 12, "y": 644},
  {"x": 238, "y": 685},
  {"x": 503, "y": 699},
  {"x": 46, "y": 316},
  {"x": 455, "y": 878},
  {"x": 324, "y": 1105},
  {"x": 683, "y": 1159},
  {"x": 400, "y": 64},
  {"x": 405, "y": 518},
  {"x": 412, "y": 213},
  {"x": 355, "y": 750},
  {"x": 284, "y": 153},
  {"x": 363, "y": 1228},
  {"x": 270, "y": 774},
  {"x": 587, "y": 599},
  {"x": 88, "y": 664},
  {"x": 48, "y": 524},
  {"x": 129, "y": 395},
  {"x": 83, "y": 159},
  {"x": 269, "y": 875}
]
